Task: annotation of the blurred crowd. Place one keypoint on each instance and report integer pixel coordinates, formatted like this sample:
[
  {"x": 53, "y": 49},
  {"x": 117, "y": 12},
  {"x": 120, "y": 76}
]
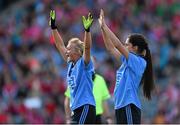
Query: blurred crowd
[{"x": 32, "y": 72}]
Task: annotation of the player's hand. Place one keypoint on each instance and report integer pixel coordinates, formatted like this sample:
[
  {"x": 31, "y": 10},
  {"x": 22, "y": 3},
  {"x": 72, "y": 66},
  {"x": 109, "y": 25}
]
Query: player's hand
[
  {"x": 101, "y": 19},
  {"x": 68, "y": 121},
  {"x": 87, "y": 23},
  {"x": 109, "y": 121},
  {"x": 52, "y": 19}
]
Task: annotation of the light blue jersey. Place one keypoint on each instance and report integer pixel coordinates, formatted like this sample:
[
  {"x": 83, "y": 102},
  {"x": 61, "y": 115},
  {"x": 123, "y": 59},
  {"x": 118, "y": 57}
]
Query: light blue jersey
[
  {"x": 79, "y": 79},
  {"x": 128, "y": 78}
]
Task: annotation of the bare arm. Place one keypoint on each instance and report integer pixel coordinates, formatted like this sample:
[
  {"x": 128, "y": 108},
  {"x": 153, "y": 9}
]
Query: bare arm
[
  {"x": 87, "y": 47},
  {"x": 108, "y": 43},
  {"x": 87, "y": 23},
  {"x": 117, "y": 43},
  {"x": 67, "y": 109},
  {"x": 57, "y": 37},
  {"x": 59, "y": 43},
  {"x": 113, "y": 37},
  {"x": 109, "y": 46}
]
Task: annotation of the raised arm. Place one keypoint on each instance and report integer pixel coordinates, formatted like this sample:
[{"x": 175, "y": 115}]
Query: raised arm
[
  {"x": 57, "y": 37},
  {"x": 109, "y": 46},
  {"x": 108, "y": 43},
  {"x": 87, "y": 23},
  {"x": 117, "y": 43}
]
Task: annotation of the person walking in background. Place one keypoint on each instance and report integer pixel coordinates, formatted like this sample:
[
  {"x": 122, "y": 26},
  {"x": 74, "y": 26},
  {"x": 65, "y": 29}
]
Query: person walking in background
[
  {"x": 101, "y": 95},
  {"x": 135, "y": 70},
  {"x": 80, "y": 71}
]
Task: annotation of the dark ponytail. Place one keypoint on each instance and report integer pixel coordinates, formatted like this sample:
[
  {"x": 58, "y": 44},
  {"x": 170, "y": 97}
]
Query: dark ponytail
[{"x": 147, "y": 80}]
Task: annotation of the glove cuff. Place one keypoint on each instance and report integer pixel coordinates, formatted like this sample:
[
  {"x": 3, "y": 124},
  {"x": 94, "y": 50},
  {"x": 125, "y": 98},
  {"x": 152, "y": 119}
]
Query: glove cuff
[
  {"x": 87, "y": 30},
  {"x": 53, "y": 25}
]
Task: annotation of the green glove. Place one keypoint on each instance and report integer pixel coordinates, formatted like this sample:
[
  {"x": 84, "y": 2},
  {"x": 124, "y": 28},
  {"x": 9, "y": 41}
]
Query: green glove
[
  {"x": 52, "y": 19},
  {"x": 87, "y": 23}
]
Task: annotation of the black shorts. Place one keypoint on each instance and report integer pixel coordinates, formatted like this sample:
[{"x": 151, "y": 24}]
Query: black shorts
[
  {"x": 85, "y": 114},
  {"x": 98, "y": 119},
  {"x": 129, "y": 114}
]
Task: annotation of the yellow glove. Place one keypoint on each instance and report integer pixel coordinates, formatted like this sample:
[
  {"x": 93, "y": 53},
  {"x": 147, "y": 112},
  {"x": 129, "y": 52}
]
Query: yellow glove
[
  {"x": 52, "y": 19},
  {"x": 87, "y": 23}
]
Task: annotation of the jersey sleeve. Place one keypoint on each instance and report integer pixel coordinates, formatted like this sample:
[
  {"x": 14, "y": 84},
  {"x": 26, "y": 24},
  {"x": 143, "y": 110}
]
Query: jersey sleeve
[
  {"x": 135, "y": 63},
  {"x": 89, "y": 65},
  {"x": 67, "y": 92}
]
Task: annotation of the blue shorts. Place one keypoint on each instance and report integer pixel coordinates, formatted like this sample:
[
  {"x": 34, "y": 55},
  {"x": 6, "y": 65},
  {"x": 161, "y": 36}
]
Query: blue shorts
[
  {"x": 85, "y": 114},
  {"x": 129, "y": 114}
]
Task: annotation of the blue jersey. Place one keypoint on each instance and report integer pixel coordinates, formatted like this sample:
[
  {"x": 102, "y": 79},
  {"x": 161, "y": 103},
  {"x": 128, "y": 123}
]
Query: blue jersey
[
  {"x": 128, "y": 78},
  {"x": 79, "y": 79}
]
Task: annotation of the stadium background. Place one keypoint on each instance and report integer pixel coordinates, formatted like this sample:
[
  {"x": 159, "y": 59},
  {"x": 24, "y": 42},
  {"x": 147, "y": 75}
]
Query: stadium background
[{"x": 32, "y": 73}]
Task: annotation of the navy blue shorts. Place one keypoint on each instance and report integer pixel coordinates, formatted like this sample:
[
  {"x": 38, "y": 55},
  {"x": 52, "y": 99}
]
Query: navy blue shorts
[
  {"x": 98, "y": 119},
  {"x": 85, "y": 114},
  {"x": 129, "y": 114}
]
